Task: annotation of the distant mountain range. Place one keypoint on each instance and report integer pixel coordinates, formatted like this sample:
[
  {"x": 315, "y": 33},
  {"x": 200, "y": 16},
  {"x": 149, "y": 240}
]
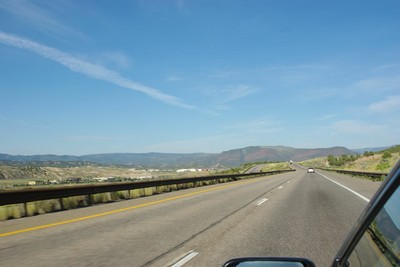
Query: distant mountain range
[{"x": 229, "y": 158}]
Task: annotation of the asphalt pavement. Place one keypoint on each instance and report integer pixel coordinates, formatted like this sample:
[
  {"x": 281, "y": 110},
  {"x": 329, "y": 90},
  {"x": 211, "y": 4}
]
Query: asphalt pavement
[{"x": 290, "y": 214}]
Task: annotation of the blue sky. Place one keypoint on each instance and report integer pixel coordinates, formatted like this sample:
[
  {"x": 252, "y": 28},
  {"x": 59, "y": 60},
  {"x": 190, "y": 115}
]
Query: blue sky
[{"x": 83, "y": 77}]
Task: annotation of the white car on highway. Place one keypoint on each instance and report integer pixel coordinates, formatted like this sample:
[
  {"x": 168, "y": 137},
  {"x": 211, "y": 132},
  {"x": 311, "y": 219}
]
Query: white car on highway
[{"x": 311, "y": 170}]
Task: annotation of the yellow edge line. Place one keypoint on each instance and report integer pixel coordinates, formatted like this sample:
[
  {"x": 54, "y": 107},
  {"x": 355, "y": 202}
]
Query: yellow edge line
[{"x": 116, "y": 211}]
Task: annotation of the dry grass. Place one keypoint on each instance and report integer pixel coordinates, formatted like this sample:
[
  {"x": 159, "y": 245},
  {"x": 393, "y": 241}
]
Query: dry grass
[
  {"x": 45, "y": 206},
  {"x": 365, "y": 164},
  {"x": 275, "y": 166}
]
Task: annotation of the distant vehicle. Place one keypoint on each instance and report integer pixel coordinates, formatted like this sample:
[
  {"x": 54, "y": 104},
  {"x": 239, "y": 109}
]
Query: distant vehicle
[
  {"x": 311, "y": 170},
  {"x": 374, "y": 240},
  {"x": 291, "y": 161}
]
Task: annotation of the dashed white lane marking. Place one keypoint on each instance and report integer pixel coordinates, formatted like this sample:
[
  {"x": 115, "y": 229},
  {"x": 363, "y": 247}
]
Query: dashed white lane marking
[
  {"x": 190, "y": 255},
  {"x": 288, "y": 182},
  {"x": 261, "y": 201},
  {"x": 280, "y": 187},
  {"x": 352, "y": 191}
]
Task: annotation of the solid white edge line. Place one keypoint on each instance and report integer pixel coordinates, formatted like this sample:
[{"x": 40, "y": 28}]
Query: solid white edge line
[
  {"x": 352, "y": 191},
  {"x": 191, "y": 254},
  {"x": 262, "y": 201}
]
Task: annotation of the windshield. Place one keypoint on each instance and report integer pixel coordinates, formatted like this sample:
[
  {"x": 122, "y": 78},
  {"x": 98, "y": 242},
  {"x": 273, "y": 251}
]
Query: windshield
[
  {"x": 380, "y": 245},
  {"x": 186, "y": 133}
]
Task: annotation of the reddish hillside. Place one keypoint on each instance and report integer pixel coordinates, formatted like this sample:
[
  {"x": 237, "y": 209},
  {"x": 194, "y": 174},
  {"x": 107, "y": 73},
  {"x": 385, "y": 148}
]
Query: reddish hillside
[{"x": 278, "y": 153}]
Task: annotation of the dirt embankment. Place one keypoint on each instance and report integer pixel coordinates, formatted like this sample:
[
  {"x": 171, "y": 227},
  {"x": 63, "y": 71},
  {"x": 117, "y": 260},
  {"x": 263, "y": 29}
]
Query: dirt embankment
[
  {"x": 373, "y": 163},
  {"x": 26, "y": 172}
]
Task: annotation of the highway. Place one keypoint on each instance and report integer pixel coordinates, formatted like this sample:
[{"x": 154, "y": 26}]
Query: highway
[{"x": 290, "y": 214}]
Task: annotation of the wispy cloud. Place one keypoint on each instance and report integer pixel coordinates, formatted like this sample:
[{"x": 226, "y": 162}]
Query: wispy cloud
[
  {"x": 96, "y": 138},
  {"x": 370, "y": 86},
  {"x": 174, "y": 78},
  {"x": 87, "y": 68},
  {"x": 326, "y": 117},
  {"x": 390, "y": 104},
  {"x": 23, "y": 123},
  {"x": 237, "y": 92},
  {"x": 195, "y": 144},
  {"x": 246, "y": 133},
  {"x": 264, "y": 125},
  {"x": 377, "y": 85},
  {"x": 117, "y": 58},
  {"x": 306, "y": 69},
  {"x": 226, "y": 94},
  {"x": 357, "y": 127},
  {"x": 361, "y": 133},
  {"x": 37, "y": 16},
  {"x": 181, "y": 4}
]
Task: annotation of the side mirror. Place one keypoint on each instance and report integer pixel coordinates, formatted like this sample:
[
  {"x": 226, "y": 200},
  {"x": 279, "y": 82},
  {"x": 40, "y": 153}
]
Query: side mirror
[
  {"x": 375, "y": 240},
  {"x": 269, "y": 262}
]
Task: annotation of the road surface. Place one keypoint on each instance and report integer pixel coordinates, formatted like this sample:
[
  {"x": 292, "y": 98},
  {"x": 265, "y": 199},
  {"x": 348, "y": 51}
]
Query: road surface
[{"x": 291, "y": 214}]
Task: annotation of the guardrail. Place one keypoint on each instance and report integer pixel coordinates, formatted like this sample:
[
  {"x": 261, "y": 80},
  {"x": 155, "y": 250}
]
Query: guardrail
[
  {"x": 373, "y": 175},
  {"x": 37, "y": 194}
]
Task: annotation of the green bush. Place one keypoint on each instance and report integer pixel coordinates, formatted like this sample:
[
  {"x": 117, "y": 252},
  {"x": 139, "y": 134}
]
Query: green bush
[
  {"x": 149, "y": 191},
  {"x": 46, "y": 206},
  {"x": 368, "y": 153},
  {"x": 386, "y": 155},
  {"x": 17, "y": 211},
  {"x": 101, "y": 198},
  {"x": 14, "y": 211},
  {"x": 135, "y": 193},
  {"x": 69, "y": 203},
  {"x": 160, "y": 189},
  {"x": 383, "y": 166},
  {"x": 3, "y": 213},
  {"x": 342, "y": 160},
  {"x": 31, "y": 209},
  {"x": 123, "y": 194}
]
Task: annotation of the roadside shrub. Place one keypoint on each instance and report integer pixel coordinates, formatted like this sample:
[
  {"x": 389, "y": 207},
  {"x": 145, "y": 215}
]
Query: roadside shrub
[
  {"x": 123, "y": 194},
  {"x": 386, "y": 155},
  {"x": 3, "y": 213},
  {"x": 69, "y": 203},
  {"x": 136, "y": 193},
  {"x": 149, "y": 191},
  {"x": 368, "y": 153},
  {"x": 383, "y": 166},
  {"x": 342, "y": 160},
  {"x": 31, "y": 209},
  {"x": 101, "y": 198},
  {"x": 45, "y": 206},
  {"x": 17, "y": 211},
  {"x": 118, "y": 195},
  {"x": 12, "y": 211},
  {"x": 161, "y": 189}
]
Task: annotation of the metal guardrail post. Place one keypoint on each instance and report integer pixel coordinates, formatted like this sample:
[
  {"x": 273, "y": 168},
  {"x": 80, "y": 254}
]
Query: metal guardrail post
[{"x": 61, "y": 204}]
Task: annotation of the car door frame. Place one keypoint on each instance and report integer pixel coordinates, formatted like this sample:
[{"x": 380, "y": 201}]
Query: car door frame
[{"x": 385, "y": 191}]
